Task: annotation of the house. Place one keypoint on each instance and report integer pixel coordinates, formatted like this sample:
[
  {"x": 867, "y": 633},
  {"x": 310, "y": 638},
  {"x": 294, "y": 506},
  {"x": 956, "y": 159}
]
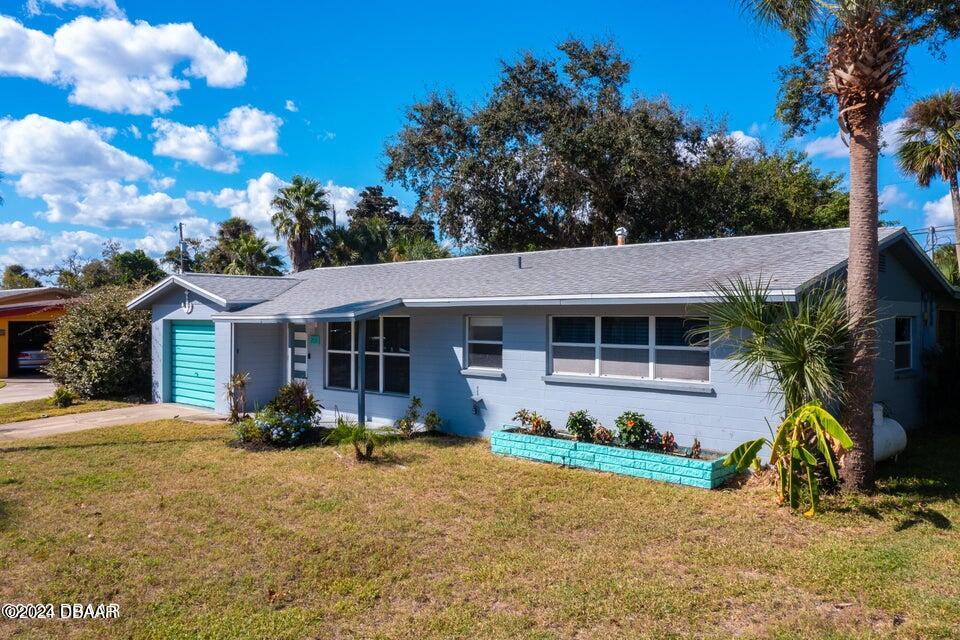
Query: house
[
  {"x": 476, "y": 338},
  {"x": 25, "y": 316}
]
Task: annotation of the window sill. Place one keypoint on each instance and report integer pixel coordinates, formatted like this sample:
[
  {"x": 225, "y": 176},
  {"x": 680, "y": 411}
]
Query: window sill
[
  {"x": 494, "y": 374},
  {"x": 704, "y": 388}
]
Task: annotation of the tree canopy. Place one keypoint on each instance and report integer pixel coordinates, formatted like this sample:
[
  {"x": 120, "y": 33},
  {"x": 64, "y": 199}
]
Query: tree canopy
[
  {"x": 558, "y": 155},
  {"x": 15, "y": 276}
]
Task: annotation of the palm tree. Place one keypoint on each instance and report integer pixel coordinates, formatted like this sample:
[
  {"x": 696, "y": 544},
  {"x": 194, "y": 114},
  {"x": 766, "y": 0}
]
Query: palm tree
[
  {"x": 850, "y": 56},
  {"x": 930, "y": 146},
  {"x": 299, "y": 215},
  {"x": 408, "y": 246},
  {"x": 253, "y": 256}
]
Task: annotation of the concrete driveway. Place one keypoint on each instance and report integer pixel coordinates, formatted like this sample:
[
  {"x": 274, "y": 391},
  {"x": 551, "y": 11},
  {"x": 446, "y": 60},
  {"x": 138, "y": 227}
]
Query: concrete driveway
[
  {"x": 20, "y": 389},
  {"x": 94, "y": 419}
]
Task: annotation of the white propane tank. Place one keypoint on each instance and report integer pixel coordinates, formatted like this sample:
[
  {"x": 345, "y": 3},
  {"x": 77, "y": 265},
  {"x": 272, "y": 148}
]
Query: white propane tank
[{"x": 889, "y": 438}]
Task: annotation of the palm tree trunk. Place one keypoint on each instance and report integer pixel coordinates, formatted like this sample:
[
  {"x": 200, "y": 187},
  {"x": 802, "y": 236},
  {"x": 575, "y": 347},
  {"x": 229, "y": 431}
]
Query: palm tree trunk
[
  {"x": 858, "y": 466},
  {"x": 955, "y": 201}
]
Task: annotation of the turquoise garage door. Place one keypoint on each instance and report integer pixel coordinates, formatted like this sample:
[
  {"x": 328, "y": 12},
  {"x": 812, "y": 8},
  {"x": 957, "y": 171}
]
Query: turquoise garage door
[{"x": 192, "y": 358}]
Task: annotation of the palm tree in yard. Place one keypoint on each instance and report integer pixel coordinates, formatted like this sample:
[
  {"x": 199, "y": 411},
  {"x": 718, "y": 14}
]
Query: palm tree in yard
[
  {"x": 252, "y": 255},
  {"x": 930, "y": 147},
  {"x": 849, "y": 58},
  {"x": 299, "y": 215}
]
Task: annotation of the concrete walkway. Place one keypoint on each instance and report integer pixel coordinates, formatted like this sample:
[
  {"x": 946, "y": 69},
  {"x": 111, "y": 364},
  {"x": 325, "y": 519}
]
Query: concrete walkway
[
  {"x": 20, "y": 389},
  {"x": 94, "y": 419}
]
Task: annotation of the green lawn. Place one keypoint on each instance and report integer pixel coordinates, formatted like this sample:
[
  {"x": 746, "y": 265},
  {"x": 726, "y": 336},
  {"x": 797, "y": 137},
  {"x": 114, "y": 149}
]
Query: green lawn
[
  {"x": 197, "y": 539},
  {"x": 33, "y": 409}
]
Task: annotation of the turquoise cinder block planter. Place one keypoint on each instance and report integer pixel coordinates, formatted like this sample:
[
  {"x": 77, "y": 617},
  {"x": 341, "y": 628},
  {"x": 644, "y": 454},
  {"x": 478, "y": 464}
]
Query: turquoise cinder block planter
[{"x": 706, "y": 474}]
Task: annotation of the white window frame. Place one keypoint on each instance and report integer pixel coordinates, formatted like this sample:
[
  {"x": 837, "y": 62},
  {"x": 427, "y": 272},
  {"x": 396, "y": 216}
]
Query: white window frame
[
  {"x": 468, "y": 341},
  {"x": 354, "y": 353},
  {"x": 598, "y": 344},
  {"x": 900, "y": 343}
]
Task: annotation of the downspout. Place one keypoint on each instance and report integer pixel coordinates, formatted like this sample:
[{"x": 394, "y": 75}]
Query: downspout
[{"x": 362, "y": 372}]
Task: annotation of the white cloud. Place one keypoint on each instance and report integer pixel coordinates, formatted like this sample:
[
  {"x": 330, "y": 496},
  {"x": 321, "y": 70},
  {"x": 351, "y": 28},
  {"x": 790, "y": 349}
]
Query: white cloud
[
  {"x": 250, "y": 129},
  {"x": 889, "y": 142},
  {"x": 107, "y": 7},
  {"x": 162, "y": 184},
  {"x": 828, "y": 147},
  {"x": 17, "y": 231},
  {"x": 134, "y": 131},
  {"x": 744, "y": 140},
  {"x": 51, "y": 156},
  {"x": 892, "y": 196},
  {"x": 111, "y": 205},
  {"x": 342, "y": 198},
  {"x": 55, "y": 250},
  {"x": 159, "y": 239},
  {"x": 251, "y": 203},
  {"x": 291, "y": 106},
  {"x": 118, "y": 66},
  {"x": 193, "y": 143},
  {"x": 939, "y": 213}
]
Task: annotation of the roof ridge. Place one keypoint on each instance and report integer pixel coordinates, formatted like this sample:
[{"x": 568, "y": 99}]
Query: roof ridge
[
  {"x": 234, "y": 275},
  {"x": 601, "y": 247}
]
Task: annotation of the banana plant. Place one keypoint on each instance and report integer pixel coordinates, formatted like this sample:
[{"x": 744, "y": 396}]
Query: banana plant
[{"x": 808, "y": 429}]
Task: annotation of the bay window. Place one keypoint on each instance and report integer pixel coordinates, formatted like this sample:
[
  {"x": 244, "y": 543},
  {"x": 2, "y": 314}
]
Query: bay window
[
  {"x": 387, "y": 358},
  {"x": 642, "y": 347}
]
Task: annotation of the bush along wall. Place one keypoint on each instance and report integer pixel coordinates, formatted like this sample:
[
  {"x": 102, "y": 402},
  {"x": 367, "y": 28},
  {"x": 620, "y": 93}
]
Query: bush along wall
[{"x": 691, "y": 472}]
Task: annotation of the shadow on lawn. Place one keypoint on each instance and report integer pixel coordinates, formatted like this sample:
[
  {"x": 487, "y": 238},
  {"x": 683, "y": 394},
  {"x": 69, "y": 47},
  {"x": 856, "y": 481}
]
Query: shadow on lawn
[
  {"x": 924, "y": 475},
  {"x": 116, "y": 443}
]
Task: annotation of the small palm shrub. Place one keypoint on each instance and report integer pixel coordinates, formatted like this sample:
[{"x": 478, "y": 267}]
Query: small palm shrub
[
  {"x": 635, "y": 431},
  {"x": 362, "y": 438},
  {"x": 408, "y": 422},
  {"x": 534, "y": 422},
  {"x": 286, "y": 421},
  {"x": 806, "y": 432},
  {"x": 62, "y": 397},
  {"x": 581, "y": 424}
]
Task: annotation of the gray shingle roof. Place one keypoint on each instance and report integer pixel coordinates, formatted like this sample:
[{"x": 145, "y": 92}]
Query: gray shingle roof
[
  {"x": 789, "y": 260},
  {"x": 240, "y": 289},
  {"x": 6, "y": 294}
]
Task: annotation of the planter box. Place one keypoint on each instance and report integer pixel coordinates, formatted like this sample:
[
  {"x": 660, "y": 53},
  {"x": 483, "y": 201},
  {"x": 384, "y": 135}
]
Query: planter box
[{"x": 706, "y": 474}]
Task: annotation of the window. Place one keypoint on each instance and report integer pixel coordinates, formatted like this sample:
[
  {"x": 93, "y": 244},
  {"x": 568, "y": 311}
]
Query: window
[
  {"x": 903, "y": 344},
  {"x": 387, "y": 361},
  {"x": 630, "y": 347},
  {"x": 484, "y": 342}
]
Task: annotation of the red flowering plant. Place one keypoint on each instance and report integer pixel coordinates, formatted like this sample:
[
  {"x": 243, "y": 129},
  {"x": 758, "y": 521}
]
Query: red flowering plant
[{"x": 634, "y": 430}]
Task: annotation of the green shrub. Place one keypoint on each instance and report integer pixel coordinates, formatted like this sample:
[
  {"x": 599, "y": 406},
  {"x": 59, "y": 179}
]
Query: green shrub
[
  {"x": 408, "y": 422},
  {"x": 99, "y": 349},
  {"x": 246, "y": 431},
  {"x": 295, "y": 399},
  {"x": 432, "y": 421},
  {"x": 634, "y": 430},
  {"x": 284, "y": 429},
  {"x": 581, "y": 424},
  {"x": 63, "y": 397},
  {"x": 534, "y": 422}
]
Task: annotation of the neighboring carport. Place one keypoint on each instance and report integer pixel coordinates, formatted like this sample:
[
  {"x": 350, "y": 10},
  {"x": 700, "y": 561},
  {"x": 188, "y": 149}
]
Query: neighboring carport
[{"x": 25, "y": 317}]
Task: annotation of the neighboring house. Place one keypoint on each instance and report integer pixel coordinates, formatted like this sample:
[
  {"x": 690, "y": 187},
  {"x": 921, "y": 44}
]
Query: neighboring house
[
  {"x": 25, "y": 316},
  {"x": 602, "y": 329}
]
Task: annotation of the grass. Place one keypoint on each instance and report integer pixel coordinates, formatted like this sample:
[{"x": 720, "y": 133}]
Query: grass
[
  {"x": 44, "y": 408},
  {"x": 441, "y": 539},
  {"x": 3, "y": 383}
]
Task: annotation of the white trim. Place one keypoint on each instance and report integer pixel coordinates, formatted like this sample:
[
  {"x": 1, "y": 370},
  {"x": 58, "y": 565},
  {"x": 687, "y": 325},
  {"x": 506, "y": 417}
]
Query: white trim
[
  {"x": 901, "y": 343},
  {"x": 354, "y": 352},
  {"x": 175, "y": 281},
  {"x": 651, "y": 347},
  {"x": 468, "y": 341}
]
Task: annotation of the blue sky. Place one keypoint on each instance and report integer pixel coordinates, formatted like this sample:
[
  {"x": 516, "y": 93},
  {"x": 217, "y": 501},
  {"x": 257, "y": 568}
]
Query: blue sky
[{"x": 119, "y": 118}]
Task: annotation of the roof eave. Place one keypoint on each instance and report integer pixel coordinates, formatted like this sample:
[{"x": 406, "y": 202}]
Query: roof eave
[{"x": 142, "y": 301}]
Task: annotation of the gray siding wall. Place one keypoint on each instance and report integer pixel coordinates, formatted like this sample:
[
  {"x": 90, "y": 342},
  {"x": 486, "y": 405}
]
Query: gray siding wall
[
  {"x": 260, "y": 350},
  {"x": 164, "y": 311},
  {"x": 733, "y": 413},
  {"x": 902, "y": 295}
]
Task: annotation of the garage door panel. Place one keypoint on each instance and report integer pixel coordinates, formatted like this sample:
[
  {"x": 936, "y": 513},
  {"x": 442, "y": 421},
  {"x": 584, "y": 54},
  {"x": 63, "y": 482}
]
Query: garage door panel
[{"x": 193, "y": 359}]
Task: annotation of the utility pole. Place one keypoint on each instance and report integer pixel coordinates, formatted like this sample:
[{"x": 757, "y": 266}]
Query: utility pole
[{"x": 183, "y": 246}]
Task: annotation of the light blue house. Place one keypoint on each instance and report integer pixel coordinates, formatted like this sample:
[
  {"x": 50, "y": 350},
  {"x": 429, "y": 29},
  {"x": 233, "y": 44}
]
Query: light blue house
[{"x": 476, "y": 338}]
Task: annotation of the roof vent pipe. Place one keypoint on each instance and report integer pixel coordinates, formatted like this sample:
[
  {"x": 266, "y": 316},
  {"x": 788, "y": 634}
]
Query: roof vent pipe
[{"x": 621, "y": 236}]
